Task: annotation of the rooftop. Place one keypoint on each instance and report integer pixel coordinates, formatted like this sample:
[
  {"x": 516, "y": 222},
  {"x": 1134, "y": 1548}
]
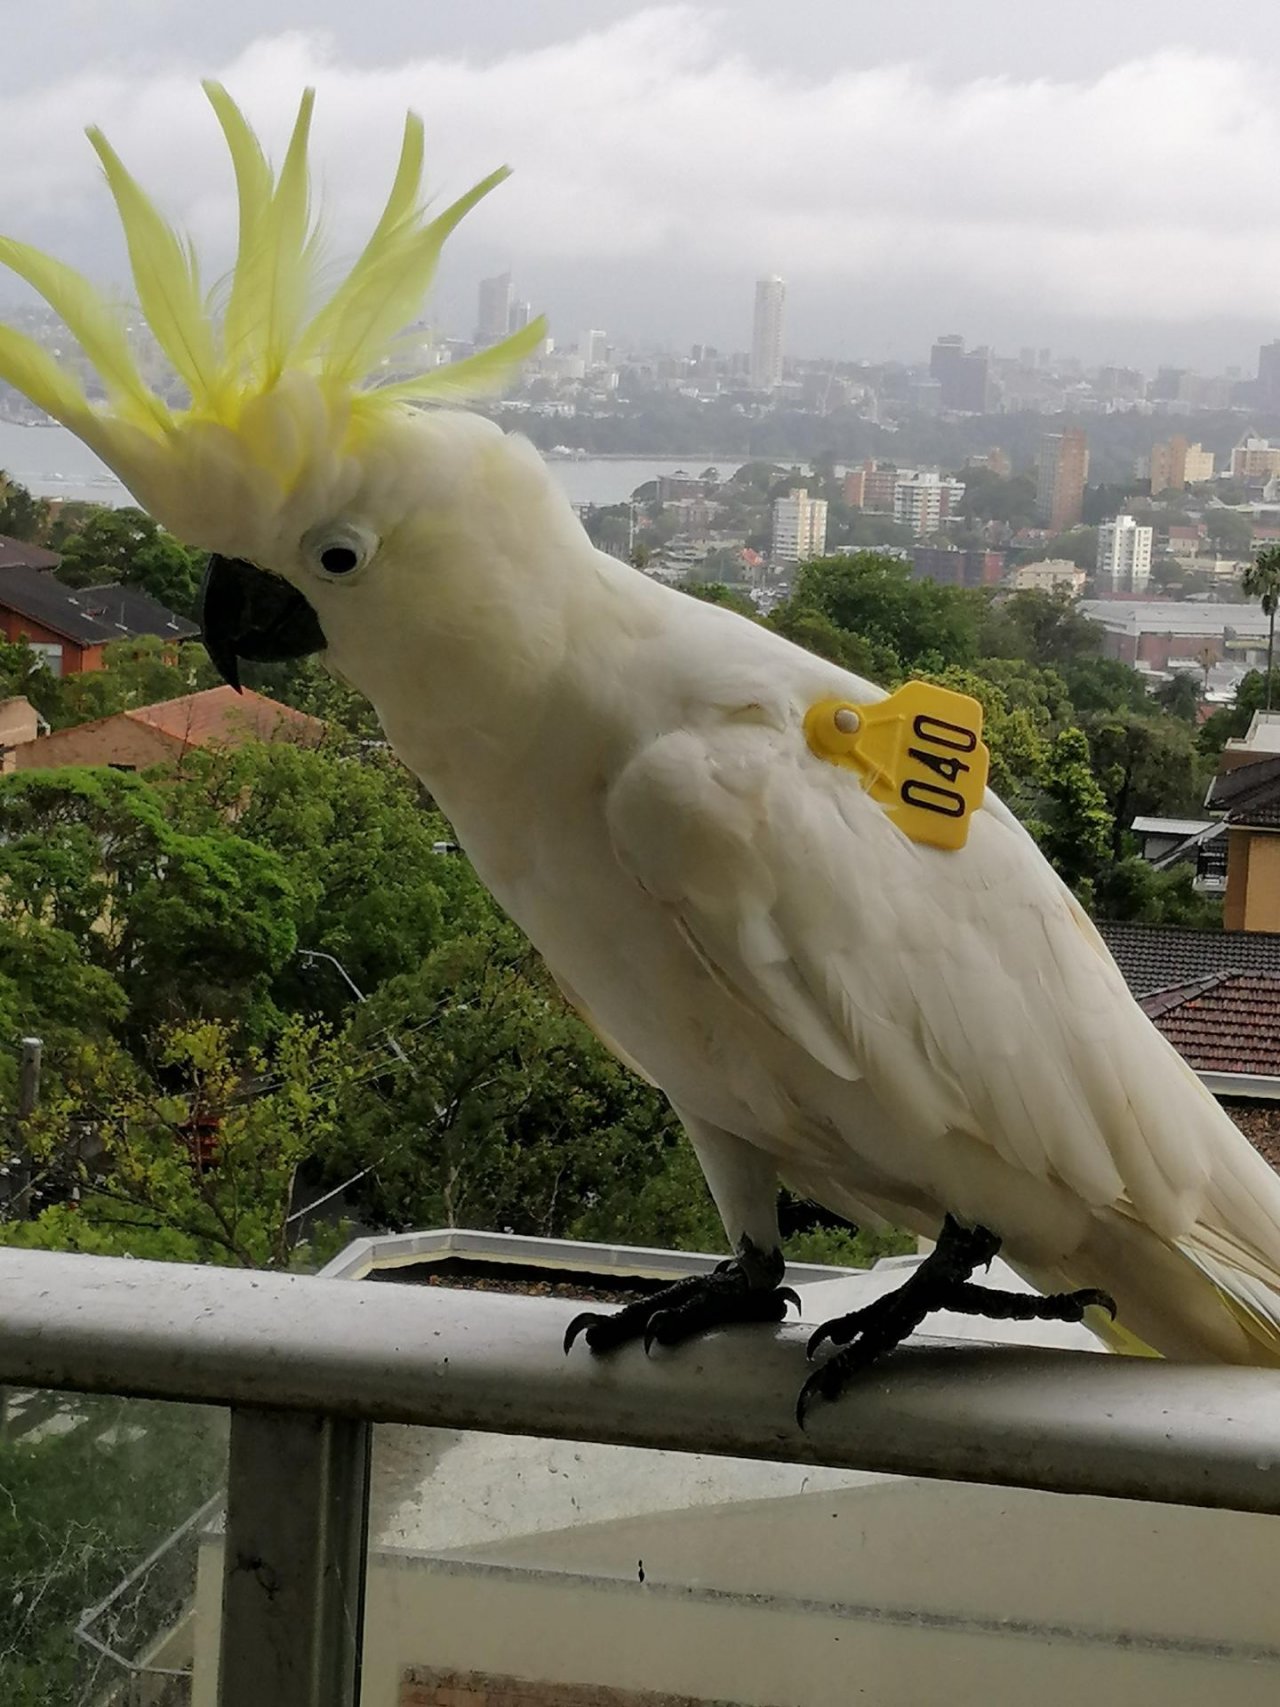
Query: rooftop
[
  {"x": 16, "y": 553},
  {"x": 1249, "y": 794},
  {"x": 1169, "y": 616},
  {"x": 220, "y": 716},
  {"x": 1156, "y": 957},
  {"x": 90, "y": 616},
  {"x": 1224, "y": 1022}
]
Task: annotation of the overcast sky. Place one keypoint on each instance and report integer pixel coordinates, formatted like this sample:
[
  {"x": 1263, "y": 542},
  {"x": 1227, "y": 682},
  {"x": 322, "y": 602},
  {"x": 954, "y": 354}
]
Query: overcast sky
[{"x": 1096, "y": 176}]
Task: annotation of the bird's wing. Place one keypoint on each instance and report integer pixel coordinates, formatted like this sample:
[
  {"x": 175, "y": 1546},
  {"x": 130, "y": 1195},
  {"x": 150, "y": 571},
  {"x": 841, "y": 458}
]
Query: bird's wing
[{"x": 967, "y": 987}]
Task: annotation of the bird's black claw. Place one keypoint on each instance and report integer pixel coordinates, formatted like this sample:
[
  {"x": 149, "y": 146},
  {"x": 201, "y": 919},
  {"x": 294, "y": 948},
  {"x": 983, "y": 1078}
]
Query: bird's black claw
[{"x": 580, "y": 1325}]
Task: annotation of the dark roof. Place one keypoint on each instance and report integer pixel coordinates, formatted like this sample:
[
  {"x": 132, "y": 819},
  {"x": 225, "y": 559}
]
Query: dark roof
[
  {"x": 88, "y": 615},
  {"x": 1226, "y": 1022},
  {"x": 37, "y": 594},
  {"x": 133, "y": 612},
  {"x": 17, "y": 554},
  {"x": 1154, "y": 957},
  {"x": 1249, "y": 794}
]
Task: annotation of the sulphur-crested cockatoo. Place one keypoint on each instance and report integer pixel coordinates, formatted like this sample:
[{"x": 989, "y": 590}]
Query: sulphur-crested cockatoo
[{"x": 847, "y": 974}]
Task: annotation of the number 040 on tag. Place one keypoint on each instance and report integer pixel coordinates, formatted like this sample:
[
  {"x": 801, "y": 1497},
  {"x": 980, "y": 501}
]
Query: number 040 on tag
[{"x": 919, "y": 752}]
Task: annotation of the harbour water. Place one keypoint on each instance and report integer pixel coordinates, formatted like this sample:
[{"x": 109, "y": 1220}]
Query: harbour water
[{"x": 52, "y": 463}]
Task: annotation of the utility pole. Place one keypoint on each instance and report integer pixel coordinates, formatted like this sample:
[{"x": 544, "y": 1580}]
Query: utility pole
[{"x": 28, "y": 1098}]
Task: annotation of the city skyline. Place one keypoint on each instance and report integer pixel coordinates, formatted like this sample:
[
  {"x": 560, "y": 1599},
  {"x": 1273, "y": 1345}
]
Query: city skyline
[{"x": 900, "y": 186}]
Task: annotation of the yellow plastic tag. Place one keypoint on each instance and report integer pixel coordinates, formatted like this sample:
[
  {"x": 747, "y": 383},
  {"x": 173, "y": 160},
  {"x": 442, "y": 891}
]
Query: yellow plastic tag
[{"x": 920, "y": 753}]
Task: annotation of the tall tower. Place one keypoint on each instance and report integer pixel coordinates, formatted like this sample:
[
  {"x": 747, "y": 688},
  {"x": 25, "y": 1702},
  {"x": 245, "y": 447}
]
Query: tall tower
[
  {"x": 766, "y": 334},
  {"x": 1064, "y": 468},
  {"x": 493, "y": 309}
]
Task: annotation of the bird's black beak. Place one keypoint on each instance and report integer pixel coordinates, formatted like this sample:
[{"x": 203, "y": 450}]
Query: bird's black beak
[{"x": 246, "y": 613}]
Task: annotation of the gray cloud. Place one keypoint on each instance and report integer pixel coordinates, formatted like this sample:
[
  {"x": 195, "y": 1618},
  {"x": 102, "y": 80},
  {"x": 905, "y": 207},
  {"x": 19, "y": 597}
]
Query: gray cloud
[{"x": 662, "y": 162}]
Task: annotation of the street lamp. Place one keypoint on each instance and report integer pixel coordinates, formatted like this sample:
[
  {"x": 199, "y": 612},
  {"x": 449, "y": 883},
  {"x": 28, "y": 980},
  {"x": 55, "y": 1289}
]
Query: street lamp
[{"x": 309, "y": 956}]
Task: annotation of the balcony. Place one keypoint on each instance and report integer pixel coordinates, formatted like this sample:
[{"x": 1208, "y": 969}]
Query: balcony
[{"x": 427, "y": 1502}]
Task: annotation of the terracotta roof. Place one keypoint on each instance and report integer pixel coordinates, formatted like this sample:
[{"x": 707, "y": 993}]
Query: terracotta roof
[
  {"x": 222, "y": 717},
  {"x": 1227, "y": 1022},
  {"x": 17, "y": 554},
  {"x": 1154, "y": 957}
]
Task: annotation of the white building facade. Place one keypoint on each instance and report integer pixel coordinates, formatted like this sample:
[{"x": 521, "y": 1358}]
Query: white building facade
[
  {"x": 766, "y": 334},
  {"x": 1124, "y": 556},
  {"x": 923, "y": 501},
  {"x": 799, "y": 527}
]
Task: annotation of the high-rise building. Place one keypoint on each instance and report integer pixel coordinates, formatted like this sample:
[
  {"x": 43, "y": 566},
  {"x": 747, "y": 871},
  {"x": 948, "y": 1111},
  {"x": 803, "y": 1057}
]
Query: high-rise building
[
  {"x": 922, "y": 501},
  {"x": 593, "y": 347},
  {"x": 1169, "y": 465},
  {"x": 799, "y": 527},
  {"x": 766, "y": 334},
  {"x": 493, "y": 309},
  {"x": 1064, "y": 468},
  {"x": 1269, "y": 374},
  {"x": 1198, "y": 464},
  {"x": 1124, "y": 556},
  {"x": 520, "y": 315},
  {"x": 1255, "y": 459},
  {"x": 965, "y": 380},
  {"x": 870, "y": 487}
]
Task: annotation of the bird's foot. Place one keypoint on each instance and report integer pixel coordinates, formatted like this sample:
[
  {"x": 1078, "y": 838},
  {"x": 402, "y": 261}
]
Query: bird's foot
[
  {"x": 941, "y": 1282},
  {"x": 742, "y": 1289}
]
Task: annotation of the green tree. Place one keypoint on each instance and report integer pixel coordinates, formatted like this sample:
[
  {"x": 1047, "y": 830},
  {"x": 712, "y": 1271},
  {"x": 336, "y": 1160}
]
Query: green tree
[
  {"x": 1229, "y": 530},
  {"x": 1231, "y": 723},
  {"x": 1076, "y": 830},
  {"x": 196, "y": 1159},
  {"x": 1180, "y": 696},
  {"x": 187, "y": 924},
  {"x": 922, "y": 624},
  {"x": 1261, "y": 581},
  {"x": 1146, "y": 764},
  {"x": 22, "y": 516},
  {"x": 127, "y": 546}
]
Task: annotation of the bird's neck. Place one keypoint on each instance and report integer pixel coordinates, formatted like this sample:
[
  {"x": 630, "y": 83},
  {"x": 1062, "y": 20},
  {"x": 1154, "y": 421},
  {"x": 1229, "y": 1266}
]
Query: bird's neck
[{"x": 501, "y": 646}]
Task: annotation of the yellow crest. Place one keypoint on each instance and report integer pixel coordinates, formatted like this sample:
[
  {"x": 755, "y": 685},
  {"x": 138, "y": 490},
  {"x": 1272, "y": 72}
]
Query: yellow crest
[{"x": 272, "y": 338}]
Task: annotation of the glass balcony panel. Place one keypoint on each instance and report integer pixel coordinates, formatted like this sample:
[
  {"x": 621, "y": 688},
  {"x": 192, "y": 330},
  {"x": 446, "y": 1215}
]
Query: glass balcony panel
[{"x": 100, "y": 1527}]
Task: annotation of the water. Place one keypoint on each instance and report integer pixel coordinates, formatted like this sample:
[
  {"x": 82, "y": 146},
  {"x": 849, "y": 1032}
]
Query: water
[{"x": 52, "y": 463}]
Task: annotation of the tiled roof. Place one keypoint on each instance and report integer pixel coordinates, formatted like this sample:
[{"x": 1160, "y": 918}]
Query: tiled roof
[
  {"x": 1227, "y": 1022},
  {"x": 222, "y": 717},
  {"x": 17, "y": 554},
  {"x": 41, "y": 597},
  {"x": 130, "y": 611},
  {"x": 1154, "y": 957},
  {"x": 1250, "y": 794},
  {"x": 88, "y": 615}
]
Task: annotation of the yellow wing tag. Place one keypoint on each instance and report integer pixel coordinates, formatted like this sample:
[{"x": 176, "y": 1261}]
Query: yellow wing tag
[{"x": 920, "y": 753}]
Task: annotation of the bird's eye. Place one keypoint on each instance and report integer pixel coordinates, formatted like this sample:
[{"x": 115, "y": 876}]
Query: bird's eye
[{"x": 340, "y": 548}]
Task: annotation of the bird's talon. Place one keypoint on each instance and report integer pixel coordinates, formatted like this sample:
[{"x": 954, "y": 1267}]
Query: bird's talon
[
  {"x": 789, "y": 1295},
  {"x": 579, "y": 1325}
]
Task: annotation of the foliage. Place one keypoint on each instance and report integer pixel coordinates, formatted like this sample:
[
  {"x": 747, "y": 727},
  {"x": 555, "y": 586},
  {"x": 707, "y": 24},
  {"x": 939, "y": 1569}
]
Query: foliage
[
  {"x": 1231, "y": 723},
  {"x": 919, "y": 623},
  {"x": 1146, "y": 764},
  {"x": 21, "y": 516},
  {"x": 87, "y": 1495},
  {"x": 717, "y": 593},
  {"x": 1261, "y": 581},
  {"x": 1077, "y": 829},
  {"x": 194, "y": 1161},
  {"x": 127, "y": 546},
  {"x": 1229, "y": 530}
]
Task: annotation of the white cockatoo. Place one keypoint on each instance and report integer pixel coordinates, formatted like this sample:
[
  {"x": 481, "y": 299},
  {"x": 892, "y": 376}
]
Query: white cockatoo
[{"x": 848, "y": 975}]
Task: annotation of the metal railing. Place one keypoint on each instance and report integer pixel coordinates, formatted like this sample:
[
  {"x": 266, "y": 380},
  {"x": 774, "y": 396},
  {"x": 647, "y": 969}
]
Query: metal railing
[{"x": 308, "y": 1364}]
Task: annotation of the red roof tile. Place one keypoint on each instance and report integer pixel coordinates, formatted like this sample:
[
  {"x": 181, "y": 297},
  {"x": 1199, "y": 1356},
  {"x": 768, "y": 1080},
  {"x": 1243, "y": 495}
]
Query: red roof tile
[
  {"x": 222, "y": 717},
  {"x": 1225, "y": 1022}
]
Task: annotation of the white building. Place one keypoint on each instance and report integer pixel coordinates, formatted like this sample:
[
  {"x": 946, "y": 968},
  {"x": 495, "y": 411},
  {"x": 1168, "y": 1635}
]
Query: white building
[
  {"x": 593, "y": 347},
  {"x": 1047, "y": 576},
  {"x": 924, "y": 500},
  {"x": 766, "y": 334},
  {"x": 799, "y": 527},
  {"x": 1124, "y": 556}
]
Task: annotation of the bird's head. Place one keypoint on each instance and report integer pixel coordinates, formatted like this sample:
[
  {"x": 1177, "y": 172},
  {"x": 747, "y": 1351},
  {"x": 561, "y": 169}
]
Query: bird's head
[{"x": 287, "y": 443}]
